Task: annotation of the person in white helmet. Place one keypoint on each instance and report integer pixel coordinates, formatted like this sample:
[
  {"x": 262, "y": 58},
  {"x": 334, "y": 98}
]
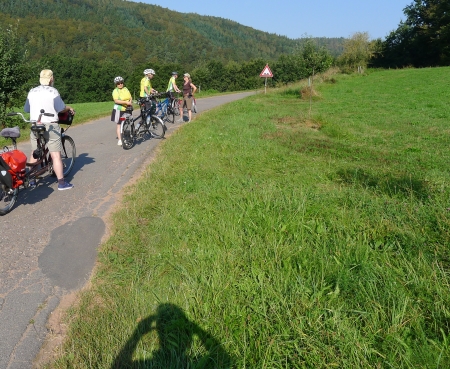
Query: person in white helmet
[
  {"x": 146, "y": 85},
  {"x": 172, "y": 86},
  {"x": 122, "y": 100}
]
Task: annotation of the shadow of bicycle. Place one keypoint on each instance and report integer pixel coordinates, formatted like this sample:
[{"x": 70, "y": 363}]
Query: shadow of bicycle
[{"x": 176, "y": 335}]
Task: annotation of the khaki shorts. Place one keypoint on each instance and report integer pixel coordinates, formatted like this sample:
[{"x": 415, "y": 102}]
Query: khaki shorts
[
  {"x": 187, "y": 102},
  {"x": 52, "y": 136}
]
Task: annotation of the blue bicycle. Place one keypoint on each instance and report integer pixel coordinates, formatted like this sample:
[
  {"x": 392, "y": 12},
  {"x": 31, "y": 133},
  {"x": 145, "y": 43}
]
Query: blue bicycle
[{"x": 164, "y": 107}]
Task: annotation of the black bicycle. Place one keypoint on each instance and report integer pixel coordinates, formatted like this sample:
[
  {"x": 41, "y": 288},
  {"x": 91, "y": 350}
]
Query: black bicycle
[{"x": 147, "y": 125}]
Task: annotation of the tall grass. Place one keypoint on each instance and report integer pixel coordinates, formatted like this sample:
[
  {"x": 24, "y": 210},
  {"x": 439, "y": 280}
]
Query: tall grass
[{"x": 266, "y": 237}]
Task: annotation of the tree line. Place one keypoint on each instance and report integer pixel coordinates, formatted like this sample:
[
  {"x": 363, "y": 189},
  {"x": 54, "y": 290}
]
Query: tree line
[
  {"x": 96, "y": 30},
  {"x": 80, "y": 80},
  {"x": 422, "y": 40}
]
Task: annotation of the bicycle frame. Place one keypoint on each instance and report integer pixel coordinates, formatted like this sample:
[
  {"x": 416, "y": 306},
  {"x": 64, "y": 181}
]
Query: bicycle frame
[
  {"x": 161, "y": 107},
  {"x": 44, "y": 159}
]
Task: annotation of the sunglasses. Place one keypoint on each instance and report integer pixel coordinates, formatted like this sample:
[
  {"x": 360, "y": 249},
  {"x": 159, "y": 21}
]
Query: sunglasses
[{"x": 120, "y": 83}]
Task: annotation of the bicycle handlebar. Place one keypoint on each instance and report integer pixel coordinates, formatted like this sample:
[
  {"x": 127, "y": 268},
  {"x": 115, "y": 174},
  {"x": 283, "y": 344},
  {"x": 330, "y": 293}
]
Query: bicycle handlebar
[{"x": 31, "y": 121}]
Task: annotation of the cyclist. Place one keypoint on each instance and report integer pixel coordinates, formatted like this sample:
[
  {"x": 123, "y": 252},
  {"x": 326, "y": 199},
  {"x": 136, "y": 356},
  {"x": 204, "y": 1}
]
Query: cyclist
[
  {"x": 122, "y": 100},
  {"x": 46, "y": 97},
  {"x": 172, "y": 86},
  {"x": 146, "y": 85},
  {"x": 188, "y": 92}
]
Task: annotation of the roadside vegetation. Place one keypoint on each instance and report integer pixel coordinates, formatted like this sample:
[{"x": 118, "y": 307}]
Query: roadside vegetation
[{"x": 272, "y": 234}]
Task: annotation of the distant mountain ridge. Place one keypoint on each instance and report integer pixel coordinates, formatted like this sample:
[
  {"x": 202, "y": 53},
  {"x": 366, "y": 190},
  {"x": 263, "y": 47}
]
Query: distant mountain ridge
[{"x": 138, "y": 32}]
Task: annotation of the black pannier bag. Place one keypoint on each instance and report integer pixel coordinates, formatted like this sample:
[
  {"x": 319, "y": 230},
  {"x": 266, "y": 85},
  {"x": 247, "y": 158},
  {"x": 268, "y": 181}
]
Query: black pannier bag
[
  {"x": 5, "y": 176},
  {"x": 147, "y": 103},
  {"x": 65, "y": 118}
]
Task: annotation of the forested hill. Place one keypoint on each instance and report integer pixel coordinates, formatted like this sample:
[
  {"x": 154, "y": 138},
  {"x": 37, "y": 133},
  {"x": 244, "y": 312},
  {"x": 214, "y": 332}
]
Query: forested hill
[{"x": 124, "y": 30}]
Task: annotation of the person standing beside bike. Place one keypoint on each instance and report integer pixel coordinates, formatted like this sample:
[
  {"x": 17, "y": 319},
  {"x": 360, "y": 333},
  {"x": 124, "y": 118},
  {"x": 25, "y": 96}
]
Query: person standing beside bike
[
  {"x": 122, "y": 100},
  {"x": 146, "y": 84},
  {"x": 46, "y": 97},
  {"x": 188, "y": 92},
  {"x": 172, "y": 86}
]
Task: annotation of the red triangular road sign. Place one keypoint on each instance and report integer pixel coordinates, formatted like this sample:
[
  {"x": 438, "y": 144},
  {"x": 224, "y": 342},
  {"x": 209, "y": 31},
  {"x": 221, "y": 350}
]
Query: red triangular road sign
[{"x": 266, "y": 72}]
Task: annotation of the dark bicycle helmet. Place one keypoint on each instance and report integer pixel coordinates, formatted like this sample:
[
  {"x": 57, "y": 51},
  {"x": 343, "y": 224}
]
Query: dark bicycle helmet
[
  {"x": 118, "y": 79},
  {"x": 174, "y": 73}
]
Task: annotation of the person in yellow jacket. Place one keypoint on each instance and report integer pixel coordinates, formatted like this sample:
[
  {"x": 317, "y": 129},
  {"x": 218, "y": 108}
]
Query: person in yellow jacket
[
  {"x": 122, "y": 100},
  {"x": 146, "y": 84}
]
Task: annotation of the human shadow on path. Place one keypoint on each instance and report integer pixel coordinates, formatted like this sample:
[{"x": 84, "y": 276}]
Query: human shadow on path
[
  {"x": 176, "y": 334},
  {"x": 81, "y": 161}
]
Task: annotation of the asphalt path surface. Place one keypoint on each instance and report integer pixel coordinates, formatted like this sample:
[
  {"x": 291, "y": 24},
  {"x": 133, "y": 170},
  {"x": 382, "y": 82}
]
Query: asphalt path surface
[{"x": 49, "y": 241}]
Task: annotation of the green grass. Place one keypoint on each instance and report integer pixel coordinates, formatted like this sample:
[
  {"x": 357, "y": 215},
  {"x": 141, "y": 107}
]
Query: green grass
[{"x": 265, "y": 237}]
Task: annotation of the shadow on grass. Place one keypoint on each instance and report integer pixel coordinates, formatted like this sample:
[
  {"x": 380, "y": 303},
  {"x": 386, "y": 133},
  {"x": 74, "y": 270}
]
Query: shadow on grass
[
  {"x": 176, "y": 334},
  {"x": 403, "y": 186}
]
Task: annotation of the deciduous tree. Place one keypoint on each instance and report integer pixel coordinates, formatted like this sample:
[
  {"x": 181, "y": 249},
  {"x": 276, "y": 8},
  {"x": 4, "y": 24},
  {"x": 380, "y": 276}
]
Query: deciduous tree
[
  {"x": 358, "y": 50},
  {"x": 13, "y": 71}
]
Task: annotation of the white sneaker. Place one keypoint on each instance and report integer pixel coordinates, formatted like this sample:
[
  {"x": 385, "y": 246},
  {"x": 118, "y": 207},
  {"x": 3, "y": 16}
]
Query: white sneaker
[{"x": 119, "y": 143}]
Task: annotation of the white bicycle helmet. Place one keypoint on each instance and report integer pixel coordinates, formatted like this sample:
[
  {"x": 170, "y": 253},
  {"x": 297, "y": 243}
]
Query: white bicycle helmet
[
  {"x": 149, "y": 71},
  {"x": 118, "y": 79}
]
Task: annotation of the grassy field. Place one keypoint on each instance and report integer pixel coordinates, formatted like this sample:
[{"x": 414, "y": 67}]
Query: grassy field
[{"x": 266, "y": 235}]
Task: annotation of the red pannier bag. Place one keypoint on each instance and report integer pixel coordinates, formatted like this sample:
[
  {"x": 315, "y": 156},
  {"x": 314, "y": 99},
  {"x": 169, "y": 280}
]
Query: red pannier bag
[{"x": 16, "y": 160}]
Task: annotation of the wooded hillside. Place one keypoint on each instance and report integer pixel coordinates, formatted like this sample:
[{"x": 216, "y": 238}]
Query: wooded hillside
[{"x": 142, "y": 33}]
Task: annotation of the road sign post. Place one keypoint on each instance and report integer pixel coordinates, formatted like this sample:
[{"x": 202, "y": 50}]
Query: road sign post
[{"x": 266, "y": 73}]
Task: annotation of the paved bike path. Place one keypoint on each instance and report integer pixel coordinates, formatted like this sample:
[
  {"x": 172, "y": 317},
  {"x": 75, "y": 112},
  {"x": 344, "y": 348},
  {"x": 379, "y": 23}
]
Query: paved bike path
[{"x": 48, "y": 243}]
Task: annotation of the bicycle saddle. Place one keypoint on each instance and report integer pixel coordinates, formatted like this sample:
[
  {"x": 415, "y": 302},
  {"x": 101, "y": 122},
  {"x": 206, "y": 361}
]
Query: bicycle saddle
[
  {"x": 38, "y": 128},
  {"x": 10, "y": 132}
]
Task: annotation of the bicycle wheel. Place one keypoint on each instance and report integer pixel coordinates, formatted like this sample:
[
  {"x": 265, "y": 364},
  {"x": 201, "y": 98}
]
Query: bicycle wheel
[
  {"x": 127, "y": 135},
  {"x": 8, "y": 198},
  {"x": 142, "y": 130},
  {"x": 68, "y": 154},
  {"x": 160, "y": 111},
  {"x": 176, "y": 106},
  {"x": 157, "y": 127},
  {"x": 194, "y": 106},
  {"x": 170, "y": 116}
]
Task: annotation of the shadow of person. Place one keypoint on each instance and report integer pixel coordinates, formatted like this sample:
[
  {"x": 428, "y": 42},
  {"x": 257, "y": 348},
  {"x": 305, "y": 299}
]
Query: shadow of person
[
  {"x": 81, "y": 160},
  {"x": 176, "y": 335}
]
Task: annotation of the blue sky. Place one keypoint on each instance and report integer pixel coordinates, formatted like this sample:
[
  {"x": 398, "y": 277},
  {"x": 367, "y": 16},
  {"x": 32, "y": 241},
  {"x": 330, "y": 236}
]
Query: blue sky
[{"x": 300, "y": 18}]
